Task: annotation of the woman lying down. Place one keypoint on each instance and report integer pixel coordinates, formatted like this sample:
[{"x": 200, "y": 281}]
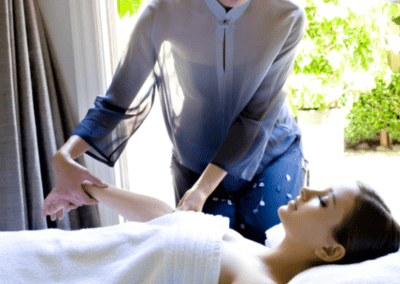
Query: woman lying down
[{"x": 342, "y": 224}]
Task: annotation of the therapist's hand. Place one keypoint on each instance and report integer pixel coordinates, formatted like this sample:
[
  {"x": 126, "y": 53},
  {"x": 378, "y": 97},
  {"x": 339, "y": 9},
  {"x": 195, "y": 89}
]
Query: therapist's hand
[
  {"x": 193, "y": 200},
  {"x": 69, "y": 177}
]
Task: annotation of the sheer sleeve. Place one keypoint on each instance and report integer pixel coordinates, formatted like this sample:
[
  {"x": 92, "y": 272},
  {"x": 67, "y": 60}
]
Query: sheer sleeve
[
  {"x": 243, "y": 148},
  {"x": 129, "y": 98}
]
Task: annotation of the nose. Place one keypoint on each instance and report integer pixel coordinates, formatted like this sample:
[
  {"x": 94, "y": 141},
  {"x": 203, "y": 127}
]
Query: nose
[
  {"x": 307, "y": 193},
  {"x": 303, "y": 193}
]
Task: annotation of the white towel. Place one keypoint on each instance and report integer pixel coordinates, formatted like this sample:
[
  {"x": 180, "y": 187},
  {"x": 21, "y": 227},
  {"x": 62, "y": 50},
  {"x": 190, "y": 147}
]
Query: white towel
[
  {"x": 182, "y": 247},
  {"x": 274, "y": 236}
]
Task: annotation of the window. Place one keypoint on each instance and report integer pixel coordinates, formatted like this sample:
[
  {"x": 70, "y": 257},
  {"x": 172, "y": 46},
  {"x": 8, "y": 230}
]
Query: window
[
  {"x": 148, "y": 154},
  {"x": 98, "y": 39}
]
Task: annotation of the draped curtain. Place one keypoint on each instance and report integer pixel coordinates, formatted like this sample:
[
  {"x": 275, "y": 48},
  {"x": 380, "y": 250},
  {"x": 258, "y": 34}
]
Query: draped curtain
[{"x": 35, "y": 120}]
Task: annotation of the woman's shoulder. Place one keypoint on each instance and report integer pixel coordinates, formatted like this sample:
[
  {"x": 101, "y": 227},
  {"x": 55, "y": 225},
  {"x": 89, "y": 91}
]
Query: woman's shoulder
[
  {"x": 280, "y": 8},
  {"x": 241, "y": 260},
  {"x": 242, "y": 244}
]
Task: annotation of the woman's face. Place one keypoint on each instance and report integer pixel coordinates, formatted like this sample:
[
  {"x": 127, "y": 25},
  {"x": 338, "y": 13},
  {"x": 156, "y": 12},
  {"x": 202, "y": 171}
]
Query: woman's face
[
  {"x": 232, "y": 3},
  {"x": 313, "y": 215}
]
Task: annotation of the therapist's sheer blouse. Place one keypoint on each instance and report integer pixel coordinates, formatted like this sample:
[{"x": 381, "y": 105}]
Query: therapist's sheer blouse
[{"x": 219, "y": 76}]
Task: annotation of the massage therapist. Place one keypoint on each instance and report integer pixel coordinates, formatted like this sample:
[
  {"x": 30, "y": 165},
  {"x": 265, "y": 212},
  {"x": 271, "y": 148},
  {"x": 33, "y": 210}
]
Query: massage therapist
[{"x": 218, "y": 67}]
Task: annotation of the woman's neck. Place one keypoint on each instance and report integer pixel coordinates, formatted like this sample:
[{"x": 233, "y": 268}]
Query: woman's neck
[
  {"x": 227, "y": 8},
  {"x": 287, "y": 260}
]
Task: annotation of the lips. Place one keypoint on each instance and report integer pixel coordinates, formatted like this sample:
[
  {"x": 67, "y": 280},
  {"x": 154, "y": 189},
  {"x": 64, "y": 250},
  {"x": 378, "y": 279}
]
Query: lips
[
  {"x": 295, "y": 203},
  {"x": 292, "y": 205}
]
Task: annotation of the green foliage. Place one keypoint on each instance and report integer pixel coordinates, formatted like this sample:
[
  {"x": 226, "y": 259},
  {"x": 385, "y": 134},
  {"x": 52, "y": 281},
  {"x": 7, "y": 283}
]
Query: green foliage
[
  {"x": 128, "y": 6},
  {"x": 375, "y": 111},
  {"x": 394, "y": 13},
  {"x": 343, "y": 50}
]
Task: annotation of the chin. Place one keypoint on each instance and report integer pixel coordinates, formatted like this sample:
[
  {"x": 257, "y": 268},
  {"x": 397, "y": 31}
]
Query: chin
[
  {"x": 281, "y": 210},
  {"x": 283, "y": 207}
]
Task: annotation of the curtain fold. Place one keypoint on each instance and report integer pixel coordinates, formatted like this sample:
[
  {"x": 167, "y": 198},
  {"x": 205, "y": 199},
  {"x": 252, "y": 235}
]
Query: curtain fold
[{"x": 36, "y": 119}]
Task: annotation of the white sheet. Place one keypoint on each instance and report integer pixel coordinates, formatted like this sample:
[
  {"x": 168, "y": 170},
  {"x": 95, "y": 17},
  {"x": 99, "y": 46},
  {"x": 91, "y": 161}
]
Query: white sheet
[
  {"x": 182, "y": 247},
  {"x": 383, "y": 270}
]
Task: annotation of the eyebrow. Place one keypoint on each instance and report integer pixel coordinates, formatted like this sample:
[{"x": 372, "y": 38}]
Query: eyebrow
[{"x": 333, "y": 196}]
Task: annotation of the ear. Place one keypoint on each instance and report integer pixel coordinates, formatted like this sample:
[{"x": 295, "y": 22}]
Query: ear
[{"x": 331, "y": 253}]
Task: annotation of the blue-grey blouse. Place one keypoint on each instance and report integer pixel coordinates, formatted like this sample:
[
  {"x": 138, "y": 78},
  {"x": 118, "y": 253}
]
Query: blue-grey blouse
[{"x": 219, "y": 76}]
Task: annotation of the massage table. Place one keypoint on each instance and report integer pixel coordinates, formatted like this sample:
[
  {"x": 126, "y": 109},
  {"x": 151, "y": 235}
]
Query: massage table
[{"x": 178, "y": 248}]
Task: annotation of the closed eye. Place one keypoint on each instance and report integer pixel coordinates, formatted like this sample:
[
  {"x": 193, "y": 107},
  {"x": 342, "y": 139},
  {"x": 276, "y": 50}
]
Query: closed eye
[{"x": 322, "y": 201}]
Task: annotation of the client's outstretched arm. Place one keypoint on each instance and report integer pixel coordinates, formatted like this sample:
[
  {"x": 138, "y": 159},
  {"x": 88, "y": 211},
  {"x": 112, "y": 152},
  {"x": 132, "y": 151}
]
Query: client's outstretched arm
[{"x": 134, "y": 206}]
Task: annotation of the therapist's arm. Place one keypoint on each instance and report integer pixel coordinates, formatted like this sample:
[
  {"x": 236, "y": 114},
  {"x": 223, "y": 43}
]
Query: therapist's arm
[
  {"x": 134, "y": 206},
  {"x": 195, "y": 198},
  {"x": 69, "y": 175}
]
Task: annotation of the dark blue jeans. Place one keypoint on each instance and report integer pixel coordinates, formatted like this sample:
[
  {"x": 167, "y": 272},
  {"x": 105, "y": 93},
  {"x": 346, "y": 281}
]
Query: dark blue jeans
[{"x": 252, "y": 209}]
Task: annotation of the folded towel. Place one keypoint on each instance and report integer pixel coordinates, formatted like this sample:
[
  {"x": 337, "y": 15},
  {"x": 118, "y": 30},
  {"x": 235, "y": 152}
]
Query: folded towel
[
  {"x": 383, "y": 270},
  {"x": 274, "y": 236},
  {"x": 182, "y": 247}
]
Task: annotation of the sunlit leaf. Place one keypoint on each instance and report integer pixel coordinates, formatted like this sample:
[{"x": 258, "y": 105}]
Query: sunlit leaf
[
  {"x": 128, "y": 6},
  {"x": 394, "y": 11},
  {"x": 396, "y": 20}
]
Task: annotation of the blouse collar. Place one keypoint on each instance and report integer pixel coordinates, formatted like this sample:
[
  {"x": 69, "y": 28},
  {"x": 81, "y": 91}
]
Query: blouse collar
[{"x": 223, "y": 17}]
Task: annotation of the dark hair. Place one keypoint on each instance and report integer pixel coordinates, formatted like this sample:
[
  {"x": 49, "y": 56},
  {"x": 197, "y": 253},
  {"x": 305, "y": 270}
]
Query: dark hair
[{"x": 369, "y": 231}]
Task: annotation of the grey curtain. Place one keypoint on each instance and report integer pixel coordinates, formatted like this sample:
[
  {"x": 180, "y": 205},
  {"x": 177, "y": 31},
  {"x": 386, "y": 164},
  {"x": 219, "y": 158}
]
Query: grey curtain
[{"x": 35, "y": 120}]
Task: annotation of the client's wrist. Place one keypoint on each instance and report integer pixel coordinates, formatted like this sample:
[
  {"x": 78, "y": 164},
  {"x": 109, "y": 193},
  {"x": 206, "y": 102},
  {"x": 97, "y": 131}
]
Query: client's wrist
[{"x": 90, "y": 190}]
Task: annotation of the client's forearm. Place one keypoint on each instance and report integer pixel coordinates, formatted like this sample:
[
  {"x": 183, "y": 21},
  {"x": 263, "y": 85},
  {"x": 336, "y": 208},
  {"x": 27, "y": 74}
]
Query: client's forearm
[{"x": 134, "y": 206}]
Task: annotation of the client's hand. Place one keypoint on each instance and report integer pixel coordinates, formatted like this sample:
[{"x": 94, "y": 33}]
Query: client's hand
[
  {"x": 55, "y": 204},
  {"x": 69, "y": 177},
  {"x": 193, "y": 200}
]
